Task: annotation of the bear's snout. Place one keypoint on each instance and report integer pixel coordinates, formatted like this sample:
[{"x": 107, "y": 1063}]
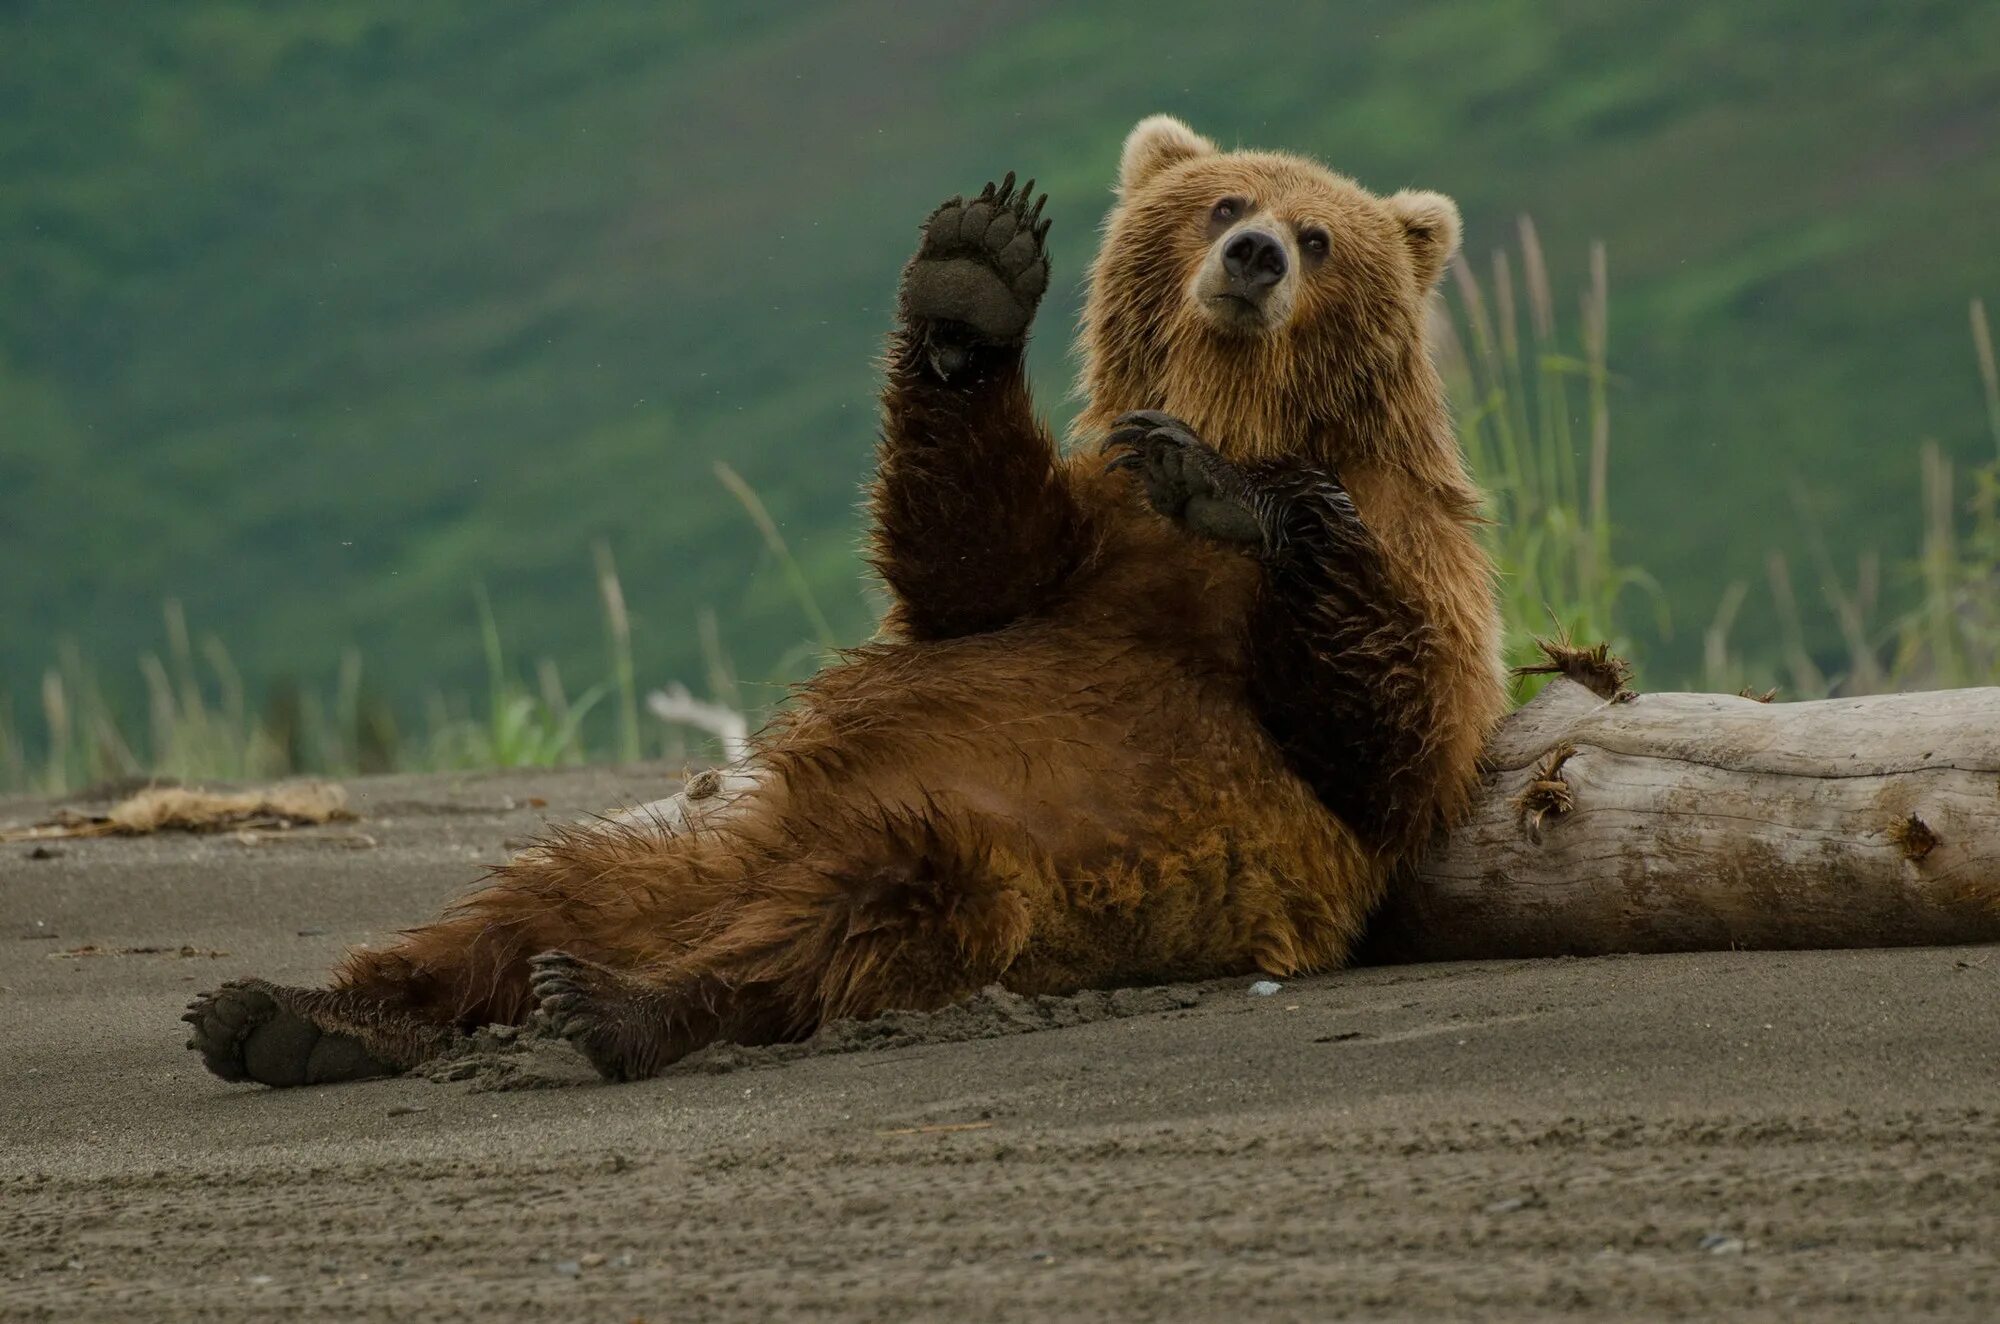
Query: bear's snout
[
  {"x": 1246, "y": 285},
  {"x": 1255, "y": 260}
]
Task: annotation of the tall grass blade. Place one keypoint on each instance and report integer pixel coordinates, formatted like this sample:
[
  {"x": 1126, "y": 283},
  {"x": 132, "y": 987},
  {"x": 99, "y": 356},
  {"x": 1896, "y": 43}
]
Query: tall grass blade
[
  {"x": 1720, "y": 671},
  {"x": 1940, "y": 560},
  {"x": 55, "y": 717},
  {"x": 1596, "y": 347},
  {"x": 722, "y": 685},
  {"x": 1989, "y": 376},
  {"x": 1807, "y": 678},
  {"x": 773, "y": 539},
  {"x": 618, "y": 636}
]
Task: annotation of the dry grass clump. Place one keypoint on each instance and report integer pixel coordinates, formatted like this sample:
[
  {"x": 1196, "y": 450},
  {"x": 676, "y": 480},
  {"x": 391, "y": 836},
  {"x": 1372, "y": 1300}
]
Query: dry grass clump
[
  {"x": 189, "y": 809},
  {"x": 1596, "y": 668}
]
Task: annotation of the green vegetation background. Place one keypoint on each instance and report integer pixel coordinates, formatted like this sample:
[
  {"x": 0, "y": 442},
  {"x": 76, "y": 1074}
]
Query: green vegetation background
[{"x": 316, "y": 317}]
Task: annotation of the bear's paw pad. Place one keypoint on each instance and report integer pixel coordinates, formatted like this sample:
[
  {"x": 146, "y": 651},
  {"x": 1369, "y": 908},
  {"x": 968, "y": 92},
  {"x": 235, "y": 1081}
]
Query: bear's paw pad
[
  {"x": 982, "y": 264},
  {"x": 244, "y": 1031}
]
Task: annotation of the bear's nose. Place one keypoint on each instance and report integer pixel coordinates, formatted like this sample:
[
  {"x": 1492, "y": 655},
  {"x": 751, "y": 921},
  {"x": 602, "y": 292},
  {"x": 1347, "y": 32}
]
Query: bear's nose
[{"x": 1255, "y": 258}]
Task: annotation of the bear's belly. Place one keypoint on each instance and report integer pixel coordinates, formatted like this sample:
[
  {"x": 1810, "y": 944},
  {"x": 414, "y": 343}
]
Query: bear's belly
[{"x": 1090, "y": 744}]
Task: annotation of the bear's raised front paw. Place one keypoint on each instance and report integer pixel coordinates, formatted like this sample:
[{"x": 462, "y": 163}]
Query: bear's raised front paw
[
  {"x": 244, "y": 1031},
  {"x": 1184, "y": 478},
  {"x": 980, "y": 271}
]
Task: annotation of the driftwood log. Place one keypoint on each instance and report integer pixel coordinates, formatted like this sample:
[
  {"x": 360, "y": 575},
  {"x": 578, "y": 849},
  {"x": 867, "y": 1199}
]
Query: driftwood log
[
  {"x": 1696, "y": 822},
  {"x": 1611, "y": 822}
]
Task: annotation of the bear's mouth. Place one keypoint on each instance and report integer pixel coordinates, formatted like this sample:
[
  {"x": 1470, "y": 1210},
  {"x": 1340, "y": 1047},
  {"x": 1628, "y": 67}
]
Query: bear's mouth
[{"x": 1238, "y": 312}]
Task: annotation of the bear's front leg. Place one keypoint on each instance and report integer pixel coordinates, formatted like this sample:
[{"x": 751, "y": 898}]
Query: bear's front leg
[
  {"x": 974, "y": 522},
  {"x": 1342, "y": 661}
]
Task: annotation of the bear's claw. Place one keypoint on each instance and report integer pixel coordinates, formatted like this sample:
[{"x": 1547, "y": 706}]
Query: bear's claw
[
  {"x": 1185, "y": 479},
  {"x": 980, "y": 271},
  {"x": 556, "y": 979},
  {"x": 592, "y": 1007}
]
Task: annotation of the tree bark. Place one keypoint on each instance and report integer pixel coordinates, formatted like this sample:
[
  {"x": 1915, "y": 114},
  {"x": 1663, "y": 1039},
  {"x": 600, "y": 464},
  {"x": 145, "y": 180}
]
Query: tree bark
[{"x": 1691, "y": 822}]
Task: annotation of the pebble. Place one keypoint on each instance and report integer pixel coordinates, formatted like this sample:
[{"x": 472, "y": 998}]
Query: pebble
[
  {"x": 1721, "y": 1243},
  {"x": 569, "y": 1268},
  {"x": 1264, "y": 988}
]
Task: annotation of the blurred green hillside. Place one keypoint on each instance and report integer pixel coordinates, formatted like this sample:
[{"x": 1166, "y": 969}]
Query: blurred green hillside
[{"x": 315, "y": 317}]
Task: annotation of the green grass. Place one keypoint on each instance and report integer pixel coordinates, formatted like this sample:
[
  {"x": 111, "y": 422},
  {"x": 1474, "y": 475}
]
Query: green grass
[
  {"x": 1534, "y": 416},
  {"x": 1533, "y": 390},
  {"x": 199, "y": 725},
  {"x": 312, "y": 317},
  {"x": 1534, "y": 395},
  {"x": 1928, "y": 620}
]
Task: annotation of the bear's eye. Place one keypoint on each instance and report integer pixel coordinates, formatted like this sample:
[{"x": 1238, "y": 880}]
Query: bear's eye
[
  {"x": 1226, "y": 210},
  {"x": 1314, "y": 242}
]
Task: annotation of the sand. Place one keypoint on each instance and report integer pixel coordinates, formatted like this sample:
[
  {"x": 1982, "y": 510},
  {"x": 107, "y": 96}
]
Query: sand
[{"x": 1717, "y": 1136}]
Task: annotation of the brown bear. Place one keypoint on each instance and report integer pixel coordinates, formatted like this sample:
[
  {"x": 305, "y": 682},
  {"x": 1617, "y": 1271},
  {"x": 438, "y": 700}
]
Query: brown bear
[{"x": 1177, "y": 714}]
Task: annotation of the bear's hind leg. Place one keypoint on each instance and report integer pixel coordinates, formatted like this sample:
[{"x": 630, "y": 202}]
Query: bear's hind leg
[
  {"x": 601, "y": 892},
  {"x": 929, "y": 922},
  {"x": 389, "y": 1009},
  {"x": 250, "y": 1029}
]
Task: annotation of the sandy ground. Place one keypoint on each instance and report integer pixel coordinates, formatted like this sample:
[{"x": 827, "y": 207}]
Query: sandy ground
[{"x": 1737, "y": 1135}]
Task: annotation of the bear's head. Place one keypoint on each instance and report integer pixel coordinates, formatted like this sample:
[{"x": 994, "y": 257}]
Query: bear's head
[{"x": 1272, "y": 303}]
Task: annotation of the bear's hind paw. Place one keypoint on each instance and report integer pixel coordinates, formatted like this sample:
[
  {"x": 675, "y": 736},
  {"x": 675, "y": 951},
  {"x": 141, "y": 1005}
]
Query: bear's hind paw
[
  {"x": 600, "y": 1012},
  {"x": 245, "y": 1031}
]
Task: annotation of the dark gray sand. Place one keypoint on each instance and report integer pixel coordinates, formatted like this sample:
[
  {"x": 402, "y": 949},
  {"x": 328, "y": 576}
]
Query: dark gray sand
[{"x": 1738, "y": 1135}]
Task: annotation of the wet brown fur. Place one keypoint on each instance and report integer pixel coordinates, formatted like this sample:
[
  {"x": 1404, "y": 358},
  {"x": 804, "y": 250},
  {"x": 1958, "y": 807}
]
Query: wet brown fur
[
  {"x": 1051, "y": 772},
  {"x": 1350, "y": 390}
]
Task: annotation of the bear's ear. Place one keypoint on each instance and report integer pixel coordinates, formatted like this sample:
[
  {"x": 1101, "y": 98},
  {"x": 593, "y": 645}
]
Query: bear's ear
[
  {"x": 1158, "y": 142},
  {"x": 1430, "y": 227}
]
